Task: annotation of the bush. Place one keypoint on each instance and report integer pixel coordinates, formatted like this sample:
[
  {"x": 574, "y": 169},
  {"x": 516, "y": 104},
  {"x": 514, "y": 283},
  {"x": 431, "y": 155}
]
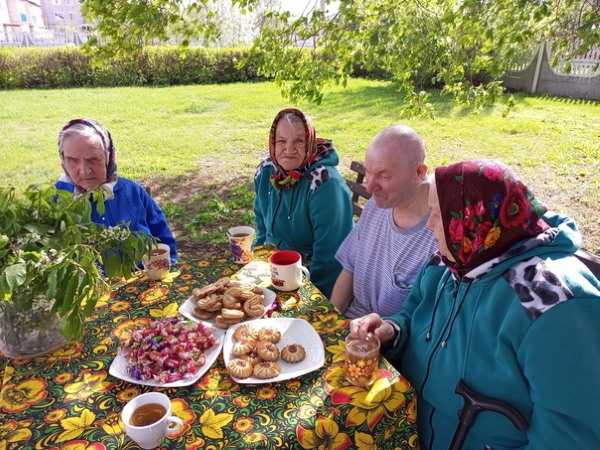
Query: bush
[
  {"x": 66, "y": 67},
  {"x": 71, "y": 67}
]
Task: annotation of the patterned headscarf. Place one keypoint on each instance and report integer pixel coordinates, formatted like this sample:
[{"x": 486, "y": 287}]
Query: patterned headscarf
[
  {"x": 107, "y": 144},
  {"x": 315, "y": 149},
  {"x": 485, "y": 210}
]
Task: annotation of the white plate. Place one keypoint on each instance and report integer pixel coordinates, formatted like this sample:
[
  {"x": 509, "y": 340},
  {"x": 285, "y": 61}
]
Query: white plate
[
  {"x": 187, "y": 308},
  {"x": 118, "y": 368},
  {"x": 293, "y": 331}
]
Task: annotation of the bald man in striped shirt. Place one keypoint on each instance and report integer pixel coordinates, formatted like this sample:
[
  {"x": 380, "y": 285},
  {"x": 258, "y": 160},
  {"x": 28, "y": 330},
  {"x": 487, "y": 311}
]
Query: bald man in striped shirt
[{"x": 385, "y": 251}]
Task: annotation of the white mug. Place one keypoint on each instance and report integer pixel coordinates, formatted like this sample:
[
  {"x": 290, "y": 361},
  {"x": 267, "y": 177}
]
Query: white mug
[
  {"x": 158, "y": 263},
  {"x": 240, "y": 241},
  {"x": 150, "y": 436},
  {"x": 287, "y": 270}
]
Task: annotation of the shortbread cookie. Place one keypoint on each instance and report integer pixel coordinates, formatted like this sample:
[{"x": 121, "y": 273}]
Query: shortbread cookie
[
  {"x": 221, "y": 323},
  {"x": 293, "y": 353},
  {"x": 215, "y": 307},
  {"x": 231, "y": 302},
  {"x": 204, "y": 291},
  {"x": 240, "y": 368},
  {"x": 233, "y": 314},
  {"x": 254, "y": 307},
  {"x": 267, "y": 351},
  {"x": 266, "y": 369},
  {"x": 203, "y": 315}
]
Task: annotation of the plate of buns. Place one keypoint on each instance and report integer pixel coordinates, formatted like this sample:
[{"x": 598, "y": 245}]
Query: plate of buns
[{"x": 272, "y": 350}]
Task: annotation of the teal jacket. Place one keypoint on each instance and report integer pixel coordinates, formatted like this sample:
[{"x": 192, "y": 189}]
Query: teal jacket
[
  {"x": 313, "y": 217},
  {"x": 523, "y": 328}
]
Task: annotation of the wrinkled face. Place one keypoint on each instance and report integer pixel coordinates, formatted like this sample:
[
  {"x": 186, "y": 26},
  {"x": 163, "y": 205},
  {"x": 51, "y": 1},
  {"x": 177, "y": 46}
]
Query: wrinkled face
[
  {"x": 435, "y": 222},
  {"x": 85, "y": 161},
  {"x": 391, "y": 180},
  {"x": 290, "y": 145}
]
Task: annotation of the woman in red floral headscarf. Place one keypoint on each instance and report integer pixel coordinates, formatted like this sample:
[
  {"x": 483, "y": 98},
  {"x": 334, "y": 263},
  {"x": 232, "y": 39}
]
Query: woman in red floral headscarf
[
  {"x": 506, "y": 308},
  {"x": 302, "y": 202}
]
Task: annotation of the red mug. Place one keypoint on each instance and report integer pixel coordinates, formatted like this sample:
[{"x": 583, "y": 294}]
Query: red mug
[{"x": 287, "y": 270}]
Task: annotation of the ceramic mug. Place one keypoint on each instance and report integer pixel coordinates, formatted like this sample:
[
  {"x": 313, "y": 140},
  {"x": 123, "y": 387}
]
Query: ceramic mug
[
  {"x": 287, "y": 270},
  {"x": 157, "y": 263},
  {"x": 150, "y": 436},
  {"x": 240, "y": 242}
]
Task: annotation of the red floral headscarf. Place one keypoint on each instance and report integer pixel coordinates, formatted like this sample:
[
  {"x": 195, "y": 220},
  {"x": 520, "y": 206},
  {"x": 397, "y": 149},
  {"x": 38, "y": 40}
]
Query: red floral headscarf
[
  {"x": 485, "y": 210},
  {"x": 315, "y": 149}
]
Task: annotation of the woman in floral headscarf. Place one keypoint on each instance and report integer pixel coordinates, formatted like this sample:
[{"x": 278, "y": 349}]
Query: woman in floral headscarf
[
  {"x": 87, "y": 155},
  {"x": 302, "y": 202},
  {"x": 506, "y": 308}
]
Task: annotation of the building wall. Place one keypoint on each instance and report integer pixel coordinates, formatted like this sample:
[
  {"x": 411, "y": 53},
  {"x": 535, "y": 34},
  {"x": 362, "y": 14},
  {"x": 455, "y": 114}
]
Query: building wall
[
  {"x": 21, "y": 16},
  {"x": 63, "y": 15},
  {"x": 4, "y": 17}
]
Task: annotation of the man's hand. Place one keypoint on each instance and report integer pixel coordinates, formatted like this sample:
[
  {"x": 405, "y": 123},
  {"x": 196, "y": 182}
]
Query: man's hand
[{"x": 372, "y": 323}]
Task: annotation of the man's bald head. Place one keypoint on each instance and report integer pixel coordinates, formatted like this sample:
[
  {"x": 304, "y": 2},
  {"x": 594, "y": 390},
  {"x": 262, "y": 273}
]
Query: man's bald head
[
  {"x": 399, "y": 144},
  {"x": 395, "y": 164}
]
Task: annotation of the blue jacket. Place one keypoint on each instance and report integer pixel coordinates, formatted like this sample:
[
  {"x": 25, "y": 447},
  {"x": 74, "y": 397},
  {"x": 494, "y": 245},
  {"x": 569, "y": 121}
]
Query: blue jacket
[
  {"x": 313, "y": 217},
  {"x": 523, "y": 328},
  {"x": 132, "y": 205}
]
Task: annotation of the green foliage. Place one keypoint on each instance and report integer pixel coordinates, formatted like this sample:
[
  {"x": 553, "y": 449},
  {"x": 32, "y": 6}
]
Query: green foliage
[
  {"x": 216, "y": 213},
  {"x": 50, "y": 248},
  {"x": 463, "y": 46},
  {"x": 156, "y": 66}
]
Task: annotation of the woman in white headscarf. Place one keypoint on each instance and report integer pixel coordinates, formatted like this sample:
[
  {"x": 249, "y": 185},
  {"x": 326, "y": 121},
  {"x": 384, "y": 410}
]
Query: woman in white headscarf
[{"x": 87, "y": 154}]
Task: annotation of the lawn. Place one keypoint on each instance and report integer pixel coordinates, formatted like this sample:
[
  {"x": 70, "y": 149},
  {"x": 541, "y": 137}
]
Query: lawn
[{"x": 197, "y": 146}]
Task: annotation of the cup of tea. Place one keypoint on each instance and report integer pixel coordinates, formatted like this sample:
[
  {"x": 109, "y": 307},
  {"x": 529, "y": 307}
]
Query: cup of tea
[
  {"x": 287, "y": 270},
  {"x": 361, "y": 359},
  {"x": 240, "y": 241},
  {"x": 147, "y": 419},
  {"x": 157, "y": 263}
]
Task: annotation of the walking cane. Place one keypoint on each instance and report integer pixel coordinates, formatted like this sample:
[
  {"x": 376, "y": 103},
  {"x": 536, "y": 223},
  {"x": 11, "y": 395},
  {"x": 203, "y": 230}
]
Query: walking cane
[{"x": 474, "y": 404}]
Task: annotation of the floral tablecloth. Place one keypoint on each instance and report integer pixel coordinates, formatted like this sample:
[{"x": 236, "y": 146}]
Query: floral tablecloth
[{"x": 68, "y": 401}]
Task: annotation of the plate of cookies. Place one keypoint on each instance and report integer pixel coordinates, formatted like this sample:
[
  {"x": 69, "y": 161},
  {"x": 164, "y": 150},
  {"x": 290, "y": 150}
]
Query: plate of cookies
[
  {"x": 227, "y": 302},
  {"x": 272, "y": 350}
]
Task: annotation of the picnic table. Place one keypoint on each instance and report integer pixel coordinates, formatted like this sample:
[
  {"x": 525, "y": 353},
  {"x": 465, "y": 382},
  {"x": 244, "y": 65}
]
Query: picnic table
[{"x": 68, "y": 401}]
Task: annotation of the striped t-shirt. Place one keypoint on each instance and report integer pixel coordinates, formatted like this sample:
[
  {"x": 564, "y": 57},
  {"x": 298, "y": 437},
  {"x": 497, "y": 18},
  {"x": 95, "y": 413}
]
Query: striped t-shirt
[{"x": 384, "y": 260}]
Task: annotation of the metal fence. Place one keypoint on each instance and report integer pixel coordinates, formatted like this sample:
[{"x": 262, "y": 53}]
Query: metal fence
[{"x": 58, "y": 39}]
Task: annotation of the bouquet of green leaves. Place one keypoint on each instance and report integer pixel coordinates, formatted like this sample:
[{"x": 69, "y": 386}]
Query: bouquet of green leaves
[{"x": 51, "y": 250}]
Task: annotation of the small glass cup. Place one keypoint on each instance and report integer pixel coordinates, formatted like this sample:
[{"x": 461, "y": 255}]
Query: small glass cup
[{"x": 361, "y": 359}]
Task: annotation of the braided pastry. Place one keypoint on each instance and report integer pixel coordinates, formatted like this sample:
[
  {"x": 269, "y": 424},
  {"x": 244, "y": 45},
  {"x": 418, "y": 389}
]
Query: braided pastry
[
  {"x": 267, "y": 351},
  {"x": 252, "y": 357},
  {"x": 293, "y": 353},
  {"x": 266, "y": 369},
  {"x": 240, "y": 368},
  {"x": 243, "y": 347},
  {"x": 244, "y": 332},
  {"x": 269, "y": 334}
]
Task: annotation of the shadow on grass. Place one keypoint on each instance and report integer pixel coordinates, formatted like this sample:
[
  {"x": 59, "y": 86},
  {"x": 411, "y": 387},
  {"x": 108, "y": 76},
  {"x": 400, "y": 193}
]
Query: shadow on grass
[
  {"x": 201, "y": 208},
  {"x": 386, "y": 100}
]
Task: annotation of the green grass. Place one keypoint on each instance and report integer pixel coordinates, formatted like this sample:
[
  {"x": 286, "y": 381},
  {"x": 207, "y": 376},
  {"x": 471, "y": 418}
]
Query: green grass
[{"x": 219, "y": 132}]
